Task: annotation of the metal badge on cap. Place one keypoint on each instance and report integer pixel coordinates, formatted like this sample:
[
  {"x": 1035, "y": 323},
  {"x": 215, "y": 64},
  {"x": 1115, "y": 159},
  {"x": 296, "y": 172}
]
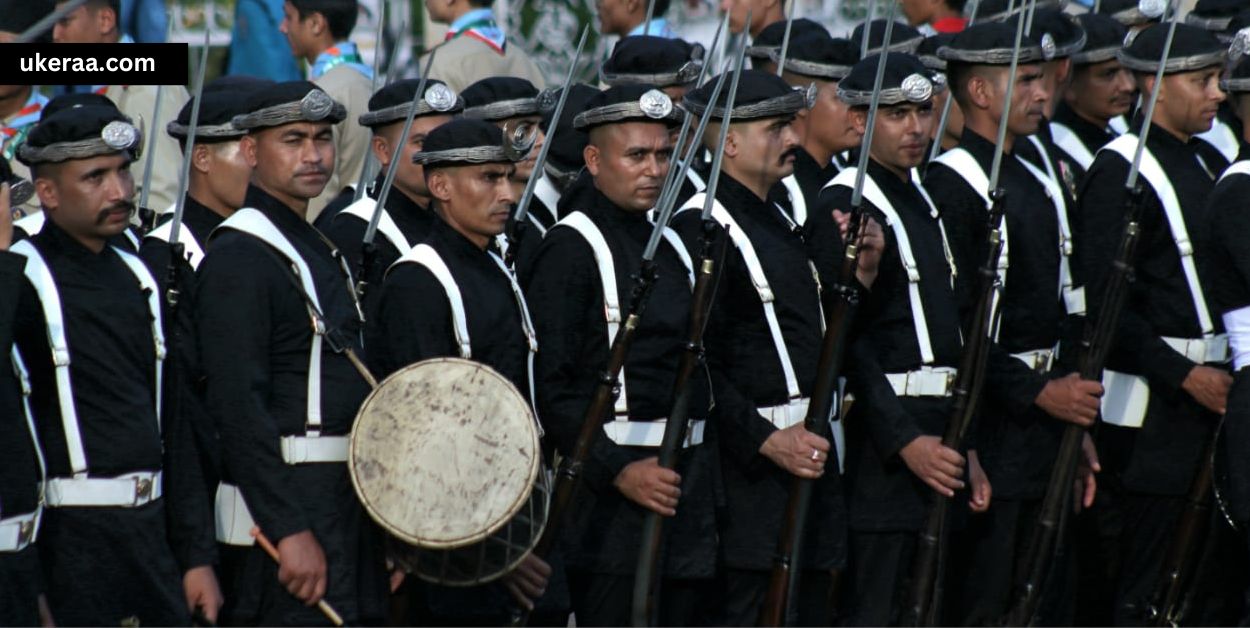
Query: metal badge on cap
[
  {"x": 656, "y": 104},
  {"x": 1240, "y": 45},
  {"x": 120, "y": 135},
  {"x": 547, "y": 99},
  {"x": 440, "y": 97},
  {"x": 1152, "y": 8},
  {"x": 689, "y": 71},
  {"x": 809, "y": 94},
  {"x": 917, "y": 88},
  {"x": 518, "y": 139},
  {"x": 1048, "y": 46},
  {"x": 316, "y": 105}
]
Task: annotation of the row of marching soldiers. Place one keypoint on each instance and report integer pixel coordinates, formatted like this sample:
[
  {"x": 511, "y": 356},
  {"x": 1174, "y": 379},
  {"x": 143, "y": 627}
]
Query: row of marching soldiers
[{"x": 117, "y": 509}]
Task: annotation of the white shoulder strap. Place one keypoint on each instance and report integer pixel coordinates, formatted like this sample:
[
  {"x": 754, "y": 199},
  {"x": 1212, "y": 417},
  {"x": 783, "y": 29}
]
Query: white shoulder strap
[
  {"x": 966, "y": 166},
  {"x": 195, "y": 252},
  {"x": 756, "y": 273},
  {"x": 679, "y": 247},
  {"x": 546, "y": 192},
  {"x": 873, "y": 194},
  {"x": 426, "y": 256},
  {"x": 1067, "y": 141},
  {"x": 1223, "y": 139},
  {"x": 363, "y": 209},
  {"x": 1118, "y": 125},
  {"x": 1065, "y": 234},
  {"x": 256, "y": 224},
  {"x": 797, "y": 200},
  {"x": 40, "y": 277},
  {"x": 1126, "y": 146},
  {"x": 582, "y": 224},
  {"x": 148, "y": 283},
  {"x": 31, "y": 224},
  {"x": 696, "y": 180},
  {"x": 23, "y": 378},
  {"x": 1240, "y": 167}
]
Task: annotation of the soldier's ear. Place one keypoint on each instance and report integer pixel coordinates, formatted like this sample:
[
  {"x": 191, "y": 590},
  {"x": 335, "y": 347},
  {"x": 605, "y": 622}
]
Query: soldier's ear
[
  {"x": 45, "y": 189},
  {"x": 247, "y": 146},
  {"x": 439, "y": 184},
  {"x": 381, "y": 149},
  {"x": 591, "y": 154}
]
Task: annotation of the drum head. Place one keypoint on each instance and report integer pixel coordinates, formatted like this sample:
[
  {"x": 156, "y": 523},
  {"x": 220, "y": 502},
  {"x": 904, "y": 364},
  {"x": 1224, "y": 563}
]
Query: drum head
[{"x": 444, "y": 452}]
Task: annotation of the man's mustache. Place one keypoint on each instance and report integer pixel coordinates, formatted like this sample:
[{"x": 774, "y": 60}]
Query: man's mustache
[
  {"x": 321, "y": 170},
  {"x": 128, "y": 206}
]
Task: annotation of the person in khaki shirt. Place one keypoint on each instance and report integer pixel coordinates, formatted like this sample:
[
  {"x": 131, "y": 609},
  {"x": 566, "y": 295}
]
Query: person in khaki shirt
[
  {"x": 317, "y": 31},
  {"x": 96, "y": 23},
  {"x": 476, "y": 48}
]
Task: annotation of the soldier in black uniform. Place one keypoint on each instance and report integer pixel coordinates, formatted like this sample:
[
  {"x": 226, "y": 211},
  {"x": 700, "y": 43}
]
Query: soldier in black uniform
[
  {"x": 825, "y": 131},
  {"x": 1167, "y": 381},
  {"x": 927, "y": 52},
  {"x": 762, "y": 340},
  {"x": 468, "y": 172},
  {"x": 1221, "y": 144},
  {"x": 903, "y": 38},
  {"x": 91, "y": 332},
  {"x": 1101, "y": 92},
  {"x": 579, "y": 288},
  {"x": 23, "y": 471},
  {"x": 508, "y": 99},
  {"x": 902, "y": 363},
  {"x": 1030, "y": 396},
  {"x": 1128, "y": 13},
  {"x": 407, "y": 218},
  {"x": 275, "y": 315},
  {"x": 670, "y": 65},
  {"x": 564, "y": 160}
]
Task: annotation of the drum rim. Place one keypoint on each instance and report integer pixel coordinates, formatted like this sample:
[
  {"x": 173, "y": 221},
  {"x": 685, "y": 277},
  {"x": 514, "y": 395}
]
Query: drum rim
[{"x": 512, "y": 509}]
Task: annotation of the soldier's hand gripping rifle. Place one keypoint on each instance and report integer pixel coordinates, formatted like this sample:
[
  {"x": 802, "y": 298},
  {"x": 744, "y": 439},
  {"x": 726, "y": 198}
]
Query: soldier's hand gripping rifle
[
  {"x": 519, "y": 228},
  {"x": 1095, "y": 348},
  {"x": 783, "y": 582},
  {"x": 369, "y": 250},
  {"x": 569, "y": 475},
  {"x": 925, "y": 597},
  {"x": 647, "y": 576}
]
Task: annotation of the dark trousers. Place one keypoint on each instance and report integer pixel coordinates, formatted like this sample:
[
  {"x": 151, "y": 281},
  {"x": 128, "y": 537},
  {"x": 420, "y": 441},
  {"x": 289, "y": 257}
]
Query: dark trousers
[
  {"x": 1150, "y": 522},
  {"x": 880, "y": 567},
  {"x": 987, "y": 566},
  {"x": 744, "y": 591},
  {"x": 607, "y": 600},
  {"x": 19, "y": 587}
]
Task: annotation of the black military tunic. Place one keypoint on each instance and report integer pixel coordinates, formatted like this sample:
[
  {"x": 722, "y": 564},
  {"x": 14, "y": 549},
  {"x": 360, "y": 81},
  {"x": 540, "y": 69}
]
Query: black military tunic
[
  {"x": 100, "y": 564},
  {"x": 812, "y": 176},
  {"x": 747, "y": 375},
  {"x": 255, "y": 336},
  {"x": 347, "y": 232},
  {"x": 565, "y": 295},
  {"x": 20, "y": 580},
  {"x": 1090, "y": 135}
]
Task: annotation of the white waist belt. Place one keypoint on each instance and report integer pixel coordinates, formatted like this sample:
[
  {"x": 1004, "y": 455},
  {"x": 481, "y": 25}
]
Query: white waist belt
[
  {"x": 651, "y": 433},
  {"x": 234, "y": 520},
  {"x": 1201, "y": 350},
  {"x": 1074, "y": 300},
  {"x": 301, "y": 449},
  {"x": 18, "y": 532},
  {"x": 126, "y": 491},
  {"x": 786, "y": 414},
  {"x": 927, "y": 381},
  {"x": 1039, "y": 360}
]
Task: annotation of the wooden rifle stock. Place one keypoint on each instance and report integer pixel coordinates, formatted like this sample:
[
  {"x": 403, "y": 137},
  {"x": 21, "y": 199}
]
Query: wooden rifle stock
[
  {"x": 647, "y": 576},
  {"x": 783, "y": 580},
  {"x": 926, "y": 586},
  {"x": 1165, "y": 606},
  {"x": 569, "y": 475},
  {"x": 1095, "y": 347}
]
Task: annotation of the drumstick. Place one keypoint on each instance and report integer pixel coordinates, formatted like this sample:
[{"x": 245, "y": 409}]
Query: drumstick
[{"x": 322, "y": 605}]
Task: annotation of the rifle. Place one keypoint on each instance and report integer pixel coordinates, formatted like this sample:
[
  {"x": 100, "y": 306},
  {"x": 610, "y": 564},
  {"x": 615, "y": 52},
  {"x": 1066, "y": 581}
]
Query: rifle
[
  {"x": 646, "y": 576},
  {"x": 1095, "y": 348},
  {"x": 926, "y": 585},
  {"x": 783, "y": 583},
  {"x": 369, "y": 250},
  {"x": 523, "y": 206}
]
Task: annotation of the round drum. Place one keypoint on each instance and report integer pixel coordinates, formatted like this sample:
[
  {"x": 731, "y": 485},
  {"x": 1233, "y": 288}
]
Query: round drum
[{"x": 445, "y": 457}]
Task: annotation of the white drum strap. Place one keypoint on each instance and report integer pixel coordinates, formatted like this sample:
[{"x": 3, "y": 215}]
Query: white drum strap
[
  {"x": 1223, "y": 139},
  {"x": 527, "y": 324},
  {"x": 40, "y": 277},
  {"x": 254, "y": 223},
  {"x": 1065, "y": 231},
  {"x": 1154, "y": 174},
  {"x": 546, "y": 192},
  {"x": 873, "y": 194},
  {"x": 426, "y": 256},
  {"x": 797, "y": 201},
  {"x": 1067, "y": 141},
  {"x": 1240, "y": 167},
  {"x": 745, "y": 247},
  {"x": 195, "y": 252},
  {"x": 966, "y": 166},
  {"x": 363, "y": 209},
  {"x": 582, "y": 224},
  {"x": 23, "y": 378}
]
